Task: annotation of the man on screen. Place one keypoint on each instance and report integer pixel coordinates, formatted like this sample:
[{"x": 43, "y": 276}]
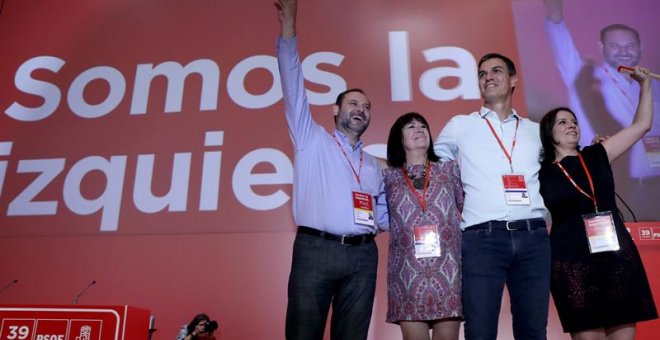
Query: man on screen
[{"x": 612, "y": 105}]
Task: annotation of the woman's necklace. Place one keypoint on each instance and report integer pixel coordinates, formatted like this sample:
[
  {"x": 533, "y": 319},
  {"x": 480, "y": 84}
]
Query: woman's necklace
[{"x": 418, "y": 181}]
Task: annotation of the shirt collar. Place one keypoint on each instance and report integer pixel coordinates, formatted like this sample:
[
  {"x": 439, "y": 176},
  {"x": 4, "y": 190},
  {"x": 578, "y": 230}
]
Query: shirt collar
[
  {"x": 617, "y": 76},
  {"x": 345, "y": 142},
  {"x": 485, "y": 111},
  {"x": 611, "y": 70}
]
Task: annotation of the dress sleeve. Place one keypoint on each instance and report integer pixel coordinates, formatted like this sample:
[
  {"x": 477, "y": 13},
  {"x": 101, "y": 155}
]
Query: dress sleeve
[
  {"x": 597, "y": 152},
  {"x": 382, "y": 211}
]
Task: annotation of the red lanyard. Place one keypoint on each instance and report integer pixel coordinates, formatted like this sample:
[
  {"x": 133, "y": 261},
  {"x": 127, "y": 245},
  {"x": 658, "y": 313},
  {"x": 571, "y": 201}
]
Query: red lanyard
[
  {"x": 513, "y": 143},
  {"x": 355, "y": 173},
  {"x": 420, "y": 198},
  {"x": 618, "y": 86},
  {"x": 591, "y": 183}
]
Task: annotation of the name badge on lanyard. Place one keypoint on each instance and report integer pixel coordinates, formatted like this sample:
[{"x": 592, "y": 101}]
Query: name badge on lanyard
[
  {"x": 599, "y": 226},
  {"x": 363, "y": 209},
  {"x": 427, "y": 241},
  {"x": 515, "y": 189},
  {"x": 426, "y": 236},
  {"x": 600, "y": 232},
  {"x": 363, "y": 206}
]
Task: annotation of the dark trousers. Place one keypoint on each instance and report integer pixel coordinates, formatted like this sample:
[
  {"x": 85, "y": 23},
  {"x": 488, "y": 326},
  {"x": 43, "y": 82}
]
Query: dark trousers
[
  {"x": 519, "y": 259},
  {"x": 325, "y": 272}
]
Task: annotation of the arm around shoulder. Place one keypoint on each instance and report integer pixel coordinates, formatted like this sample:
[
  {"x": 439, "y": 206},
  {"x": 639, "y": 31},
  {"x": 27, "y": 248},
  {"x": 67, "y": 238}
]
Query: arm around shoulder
[{"x": 445, "y": 145}]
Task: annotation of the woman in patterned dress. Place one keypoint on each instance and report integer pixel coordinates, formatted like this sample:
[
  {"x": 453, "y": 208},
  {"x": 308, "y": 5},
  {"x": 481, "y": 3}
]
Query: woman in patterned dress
[{"x": 424, "y": 197}]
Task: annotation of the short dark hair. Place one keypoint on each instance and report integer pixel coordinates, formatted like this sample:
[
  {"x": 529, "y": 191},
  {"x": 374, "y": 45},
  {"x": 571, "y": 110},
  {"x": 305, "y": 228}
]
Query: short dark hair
[
  {"x": 509, "y": 63},
  {"x": 340, "y": 97},
  {"x": 545, "y": 127},
  {"x": 396, "y": 155},
  {"x": 616, "y": 27}
]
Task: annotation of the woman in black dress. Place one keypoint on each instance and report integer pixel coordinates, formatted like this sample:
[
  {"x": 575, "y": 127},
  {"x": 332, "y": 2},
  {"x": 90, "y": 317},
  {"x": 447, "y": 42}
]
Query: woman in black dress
[{"x": 599, "y": 284}]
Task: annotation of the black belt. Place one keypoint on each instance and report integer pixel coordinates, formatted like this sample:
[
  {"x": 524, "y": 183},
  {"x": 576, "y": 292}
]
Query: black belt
[
  {"x": 517, "y": 225},
  {"x": 343, "y": 239}
]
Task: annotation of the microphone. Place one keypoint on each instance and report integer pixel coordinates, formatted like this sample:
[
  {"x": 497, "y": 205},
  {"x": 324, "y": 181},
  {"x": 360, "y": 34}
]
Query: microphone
[
  {"x": 627, "y": 207},
  {"x": 631, "y": 70},
  {"x": 11, "y": 283},
  {"x": 75, "y": 300}
]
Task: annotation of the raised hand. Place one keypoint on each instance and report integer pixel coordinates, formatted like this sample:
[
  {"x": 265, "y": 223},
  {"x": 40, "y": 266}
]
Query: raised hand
[
  {"x": 286, "y": 13},
  {"x": 641, "y": 75},
  {"x": 554, "y": 9}
]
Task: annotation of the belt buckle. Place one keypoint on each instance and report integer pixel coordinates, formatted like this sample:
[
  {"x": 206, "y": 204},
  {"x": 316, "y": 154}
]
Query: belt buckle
[
  {"x": 343, "y": 237},
  {"x": 507, "y": 226}
]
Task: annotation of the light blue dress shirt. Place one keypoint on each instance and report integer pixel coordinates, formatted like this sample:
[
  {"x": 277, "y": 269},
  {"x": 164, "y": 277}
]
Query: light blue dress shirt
[
  {"x": 469, "y": 140},
  {"x": 323, "y": 179}
]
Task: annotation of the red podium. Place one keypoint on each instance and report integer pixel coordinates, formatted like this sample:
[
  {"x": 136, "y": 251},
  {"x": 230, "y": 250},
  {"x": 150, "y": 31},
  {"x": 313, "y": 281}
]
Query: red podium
[
  {"x": 647, "y": 238},
  {"x": 69, "y": 322}
]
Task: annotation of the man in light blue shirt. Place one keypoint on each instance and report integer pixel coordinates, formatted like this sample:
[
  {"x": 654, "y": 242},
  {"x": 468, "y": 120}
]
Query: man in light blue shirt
[
  {"x": 336, "y": 185},
  {"x": 505, "y": 240}
]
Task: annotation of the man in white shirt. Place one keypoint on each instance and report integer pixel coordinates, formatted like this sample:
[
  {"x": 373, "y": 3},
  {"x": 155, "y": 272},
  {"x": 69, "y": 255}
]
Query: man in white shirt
[{"x": 505, "y": 239}]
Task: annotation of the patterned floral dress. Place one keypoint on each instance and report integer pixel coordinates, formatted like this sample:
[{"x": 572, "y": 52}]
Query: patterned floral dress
[{"x": 426, "y": 288}]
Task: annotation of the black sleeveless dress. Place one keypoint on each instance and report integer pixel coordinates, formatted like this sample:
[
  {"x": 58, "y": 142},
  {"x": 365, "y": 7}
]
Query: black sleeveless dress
[{"x": 591, "y": 290}]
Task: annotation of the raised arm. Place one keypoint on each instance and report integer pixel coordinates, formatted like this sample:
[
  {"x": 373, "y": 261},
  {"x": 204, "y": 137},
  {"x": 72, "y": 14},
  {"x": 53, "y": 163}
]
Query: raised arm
[
  {"x": 286, "y": 10},
  {"x": 563, "y": 48},
  {"x": 642, "y": 122},
  {"x": 302, "y": 127}
]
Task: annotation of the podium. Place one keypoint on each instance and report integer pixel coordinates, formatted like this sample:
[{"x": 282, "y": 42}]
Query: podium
[
  {"x": 645, "y": 233},
  {"x": 647, "y": 238},
  {"x": 73, "y": 322}
]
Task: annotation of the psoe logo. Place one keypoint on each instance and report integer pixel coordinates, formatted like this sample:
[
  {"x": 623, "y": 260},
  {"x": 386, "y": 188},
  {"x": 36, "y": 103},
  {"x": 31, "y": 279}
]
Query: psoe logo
[
  {"x": 85, "y": 332},
  {"x": 656, "y": 233}
]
